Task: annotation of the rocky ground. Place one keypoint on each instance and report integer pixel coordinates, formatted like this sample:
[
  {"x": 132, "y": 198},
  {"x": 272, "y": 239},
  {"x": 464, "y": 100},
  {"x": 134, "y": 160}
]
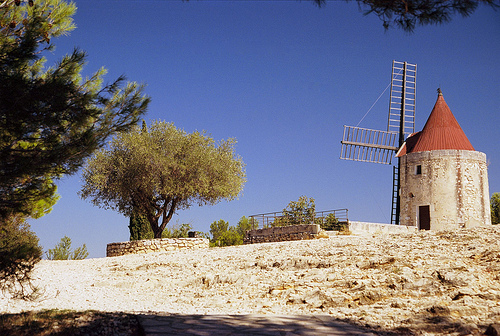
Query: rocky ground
[{"x": 424, "y": 283}]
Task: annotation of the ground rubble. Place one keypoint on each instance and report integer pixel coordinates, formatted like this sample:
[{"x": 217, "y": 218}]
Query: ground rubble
[{"x": 423, "y": 283}]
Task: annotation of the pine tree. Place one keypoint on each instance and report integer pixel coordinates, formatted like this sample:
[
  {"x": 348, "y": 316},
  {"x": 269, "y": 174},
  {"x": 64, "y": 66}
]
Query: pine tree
[
  {"x": 51, "y": 119},
  {"x": 407, "y": 14}
]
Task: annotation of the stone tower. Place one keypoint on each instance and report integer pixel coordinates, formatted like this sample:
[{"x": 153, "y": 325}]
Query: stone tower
[{"x": 444, "y": 181}]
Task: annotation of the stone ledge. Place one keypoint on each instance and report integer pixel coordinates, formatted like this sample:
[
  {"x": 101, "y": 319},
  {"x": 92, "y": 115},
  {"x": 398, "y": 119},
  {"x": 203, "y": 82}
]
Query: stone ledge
[
  {"x": 154, "y": 245},
  {"x": 365, "y": 227},
  {"x": 282, "y": 233}
]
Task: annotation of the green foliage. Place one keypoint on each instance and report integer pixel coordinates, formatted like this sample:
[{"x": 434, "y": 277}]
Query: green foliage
[
  {"x": 51, "y": 119},
  {"x": 331, "y": 223},
  {"x": 217, "y": 229},
  {"x": 177, "y": 231},
  {"x": 43, "y": 206},
  {"x": 408, "y": 14},
  {"x": 80, "y": 253},
  {"x": 297, "y": 212},
  {"x": 62, "y": 251},
  {"x": 19, "y": 252},
  {"x": 159, "y": 170},
  {"x": 495, "y": 208},
  {"x": 139, "y": 227},
  {"x": 225, "y": 235},
  {"x": 229, "y": 238},
  {"x": 245, "y": 224}
]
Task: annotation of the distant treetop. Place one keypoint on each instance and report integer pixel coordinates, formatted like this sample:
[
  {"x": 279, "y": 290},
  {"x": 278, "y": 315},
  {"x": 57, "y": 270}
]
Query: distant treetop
[{"x": 407, "y": 14}]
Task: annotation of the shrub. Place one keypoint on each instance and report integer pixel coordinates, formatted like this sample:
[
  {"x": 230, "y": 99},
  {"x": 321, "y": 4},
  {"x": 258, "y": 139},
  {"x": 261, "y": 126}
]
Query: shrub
[
  {"x": 19, "y": 252},
  {"x": 177, "y": 231},
  {"x": 62, "y": 251},
  {"x": 225, "y": 235},
  {"x": 230, "y": 237},
  {"x": 330, "y": 222}
]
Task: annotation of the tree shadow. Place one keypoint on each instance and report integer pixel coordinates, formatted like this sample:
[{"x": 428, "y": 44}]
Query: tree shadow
[
  {"x": 255, "y": 325},
  {"x": 91, "y": 323},
  {"x": 440, "y": 322},
  {"x": 67, "y": 322}
]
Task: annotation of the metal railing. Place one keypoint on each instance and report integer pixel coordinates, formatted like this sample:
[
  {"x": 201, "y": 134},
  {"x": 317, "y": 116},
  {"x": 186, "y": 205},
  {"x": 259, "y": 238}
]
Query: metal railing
[{"x": 272, "y": 219}]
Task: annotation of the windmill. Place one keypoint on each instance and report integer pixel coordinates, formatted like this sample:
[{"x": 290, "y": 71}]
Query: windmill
[{"x": 368, "y": 145}]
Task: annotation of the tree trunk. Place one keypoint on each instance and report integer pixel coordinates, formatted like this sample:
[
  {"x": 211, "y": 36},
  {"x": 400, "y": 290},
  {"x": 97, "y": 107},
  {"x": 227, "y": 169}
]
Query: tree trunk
[
  {"x": 157, "y": 232},
  {"x": 167, "y": 215},
  {"x": 153, "y": 222}
]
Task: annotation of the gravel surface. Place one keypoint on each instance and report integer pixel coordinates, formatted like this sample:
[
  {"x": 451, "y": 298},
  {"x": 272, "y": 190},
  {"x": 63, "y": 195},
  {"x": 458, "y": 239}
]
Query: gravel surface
[{"x": 421, "y": 283}]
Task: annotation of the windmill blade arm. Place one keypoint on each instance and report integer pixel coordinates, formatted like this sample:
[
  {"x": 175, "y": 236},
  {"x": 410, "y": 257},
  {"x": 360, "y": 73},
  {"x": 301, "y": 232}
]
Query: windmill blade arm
[{"x": 391, "y": 148}]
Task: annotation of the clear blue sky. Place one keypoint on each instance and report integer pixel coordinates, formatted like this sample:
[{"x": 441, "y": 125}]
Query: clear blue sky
[{"x": 282, "y": 77}]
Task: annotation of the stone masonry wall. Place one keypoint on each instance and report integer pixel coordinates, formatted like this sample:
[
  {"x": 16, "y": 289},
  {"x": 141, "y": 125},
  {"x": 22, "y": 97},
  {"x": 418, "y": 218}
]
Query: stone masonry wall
[
  {"x": 154, "y": 245},
  {"x": 453, "y": 183},
  {"x": 283, "y": 233},
  {"x": 364, "y": 227}
]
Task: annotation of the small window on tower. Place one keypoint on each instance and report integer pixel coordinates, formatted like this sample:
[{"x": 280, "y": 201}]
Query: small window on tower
[{"x": 418, "y": 171}]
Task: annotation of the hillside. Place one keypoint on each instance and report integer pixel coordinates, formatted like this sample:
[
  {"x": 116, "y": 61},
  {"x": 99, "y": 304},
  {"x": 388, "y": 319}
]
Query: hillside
[{"x": 423, "y": 283}]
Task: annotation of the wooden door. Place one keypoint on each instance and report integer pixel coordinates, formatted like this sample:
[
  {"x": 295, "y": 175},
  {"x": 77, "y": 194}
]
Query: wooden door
[{"x": 424, "y": 217}]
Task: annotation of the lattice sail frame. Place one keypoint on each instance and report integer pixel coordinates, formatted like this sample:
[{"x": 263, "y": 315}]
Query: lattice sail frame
[
  {"x": 362, "y": 144},
  {"x": 403, "y": 91},
  {"x": 367, "y": 145}
]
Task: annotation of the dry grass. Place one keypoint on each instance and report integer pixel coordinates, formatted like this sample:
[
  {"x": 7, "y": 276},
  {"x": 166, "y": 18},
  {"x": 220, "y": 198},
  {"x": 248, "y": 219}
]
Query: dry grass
[{"x": 68, "y": 322}]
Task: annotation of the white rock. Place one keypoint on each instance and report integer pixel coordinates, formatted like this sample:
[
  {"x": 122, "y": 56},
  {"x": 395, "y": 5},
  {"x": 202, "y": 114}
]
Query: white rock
[{"x": 385, "y": 281}]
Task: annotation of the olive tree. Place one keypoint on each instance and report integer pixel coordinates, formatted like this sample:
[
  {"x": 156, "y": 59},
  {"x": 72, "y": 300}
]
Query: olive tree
[{"x": 160, "y": 170}]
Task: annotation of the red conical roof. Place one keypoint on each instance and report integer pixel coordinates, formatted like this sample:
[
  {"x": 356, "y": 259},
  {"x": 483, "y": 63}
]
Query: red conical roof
[{"x": 441, "y": 131}]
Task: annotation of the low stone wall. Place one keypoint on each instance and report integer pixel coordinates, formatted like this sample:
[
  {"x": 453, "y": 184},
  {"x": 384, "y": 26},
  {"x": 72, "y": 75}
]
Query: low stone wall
[
  {"x": 364, "y": 227},
  {"x": 283, "y": 233},
  {"x": 154, "y": 245}
]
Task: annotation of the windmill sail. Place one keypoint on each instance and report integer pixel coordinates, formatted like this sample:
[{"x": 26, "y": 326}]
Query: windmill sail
[
  {"x": 362, "y": 144},
  {"x": 367, "y": 145},
  {"x": 402, "y": 99}
]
